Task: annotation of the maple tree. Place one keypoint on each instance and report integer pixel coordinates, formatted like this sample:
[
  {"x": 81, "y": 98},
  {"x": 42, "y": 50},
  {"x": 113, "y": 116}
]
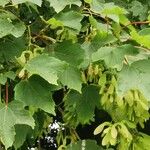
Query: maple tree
[{"x": 96, "y": 52}]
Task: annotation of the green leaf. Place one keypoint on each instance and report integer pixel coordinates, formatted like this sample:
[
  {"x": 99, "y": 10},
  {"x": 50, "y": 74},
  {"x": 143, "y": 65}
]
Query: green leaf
[
  {"x": 87, "y": 52},
  {"x": 69, "y": 52},
  {"x": 84, "y": 144},
  {"x": 141, "y": 56},
  {"x": 55, "y": 23},
  {"x": 59, "y": 5},
  {"x": 9, "y": 24},
  {"x": 10, "y": 116},
  {"x": 112, "y": 9},
  {"x": 43, "y": 121},
  {"x": 3, "y": 79},
  {"x": 138, "y": 9},
  {"x": 70, "y": 19},
  {"x": 101, "y": 39},
  {"x": 71, "y": 100},
  {"x": 10, "y": 74},
  {"x": 99, "y": 26},
  {"x": 4, "y": 76},
  {"x": 11, "y": 47},
  {"x": 47, "y": 67},
  {"x": 84, "y": 104},
  {"x": 37, "y": 2},
  {"x": 37, "y": 93},
  {"x": 4, "y": 2},
  {"x": 109, "y": 10},
  {"x": 114, "y": 56},
  {"x": 97, "y": 5},
  {"x": 143, "y": 40},
  {"x": 71, "y": 78},
  {"x": 145, "y": 31},
  {"x": 126, "y": 22},
  {"x": 135, "y": 76},
  {"x": 21, "y": 133}
]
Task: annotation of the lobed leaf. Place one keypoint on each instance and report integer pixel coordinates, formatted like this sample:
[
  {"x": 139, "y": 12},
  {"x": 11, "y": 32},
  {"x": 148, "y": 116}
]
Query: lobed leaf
[
  {"x": 11, "y": 115},
  {"x": 47, "y": 67},
  {"x": 37, "y": 93}
]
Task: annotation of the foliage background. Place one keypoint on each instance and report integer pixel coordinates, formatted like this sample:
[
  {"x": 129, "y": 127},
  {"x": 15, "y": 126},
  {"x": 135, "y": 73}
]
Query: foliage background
[{"x": 83, "y": 62}]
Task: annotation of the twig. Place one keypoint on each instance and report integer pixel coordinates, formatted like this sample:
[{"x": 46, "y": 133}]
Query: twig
[
  {"x": 136, "y": 23},
  {"x": 6, "y": 93},
  {"x": 0, "y": 94}
]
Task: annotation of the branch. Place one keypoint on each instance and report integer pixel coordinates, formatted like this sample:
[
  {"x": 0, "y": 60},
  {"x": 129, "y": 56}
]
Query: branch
[
  {"x": 6, "y": 93},
  {"x": 138, "y": 22}
]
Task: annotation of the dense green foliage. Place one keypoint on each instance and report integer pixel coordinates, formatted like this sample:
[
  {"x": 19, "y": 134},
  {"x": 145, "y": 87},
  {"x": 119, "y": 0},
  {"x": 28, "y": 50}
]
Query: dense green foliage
[{"x": 96, "y": 52}]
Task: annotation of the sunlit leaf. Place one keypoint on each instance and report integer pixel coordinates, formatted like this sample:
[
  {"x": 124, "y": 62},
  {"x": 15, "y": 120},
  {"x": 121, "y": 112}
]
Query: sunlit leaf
[
  {"x": 10, "y": 116},
  {"x": 59, "y": 5},
  {"x": 114, "y": 56},
  {"x": 135, "y": 77},
  {"x": 37, "y": 2},
  {"x": 47, "y": 67},
  {"x": 9, "y": 24}
]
